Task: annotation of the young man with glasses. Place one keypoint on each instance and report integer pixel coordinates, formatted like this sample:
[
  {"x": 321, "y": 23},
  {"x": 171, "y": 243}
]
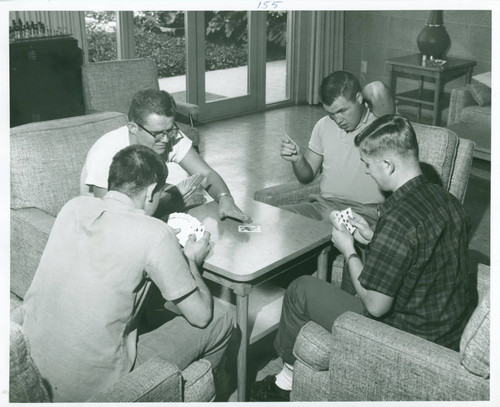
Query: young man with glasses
[
  {"x": 151, "y": 123},
  {"x": 331, "y": 149}
]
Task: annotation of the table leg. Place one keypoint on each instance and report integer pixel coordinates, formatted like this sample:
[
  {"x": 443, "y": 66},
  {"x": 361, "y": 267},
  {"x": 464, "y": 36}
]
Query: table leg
[
  {"x": 323, "y": 263},
  {"x": 242, "y": 322},
  {"x": 468, "y": 76},
  {"x": 420, "y": 92},
  {"x": 437, "y": 95},
  {"x": 393, "y": 82}
]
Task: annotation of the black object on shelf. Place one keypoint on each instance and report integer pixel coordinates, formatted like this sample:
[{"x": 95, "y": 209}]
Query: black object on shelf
[{"x": 45, "y": 80}]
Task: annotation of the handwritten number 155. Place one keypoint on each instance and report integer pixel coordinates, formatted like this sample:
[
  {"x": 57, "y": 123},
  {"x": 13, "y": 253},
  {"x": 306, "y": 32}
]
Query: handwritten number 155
[{"x": 268, "y": 3}]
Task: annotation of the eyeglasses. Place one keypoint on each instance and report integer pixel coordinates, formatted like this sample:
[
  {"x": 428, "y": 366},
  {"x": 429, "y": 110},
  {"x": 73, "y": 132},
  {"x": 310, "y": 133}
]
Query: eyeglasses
[{"x": 158, "y": 135}]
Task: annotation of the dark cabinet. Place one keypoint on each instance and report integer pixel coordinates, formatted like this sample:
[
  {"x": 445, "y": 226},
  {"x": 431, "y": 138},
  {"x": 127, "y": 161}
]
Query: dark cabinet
[{"x": 45, "y": 80}]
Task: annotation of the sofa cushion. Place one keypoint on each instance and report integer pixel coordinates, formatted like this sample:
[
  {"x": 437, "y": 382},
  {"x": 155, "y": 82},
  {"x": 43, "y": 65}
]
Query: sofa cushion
[
  {"x": 484, "y": 78},
  {"x": 25, "y": 382},
  {"x": 475, "y": 341},
  {"x": 29, "y": 232},
  {"x": 481, "y": 93},
  {"x": 47, "y": 158},
  {"x": 437, "y": 149},
  {"x": 477, "y": 114}
]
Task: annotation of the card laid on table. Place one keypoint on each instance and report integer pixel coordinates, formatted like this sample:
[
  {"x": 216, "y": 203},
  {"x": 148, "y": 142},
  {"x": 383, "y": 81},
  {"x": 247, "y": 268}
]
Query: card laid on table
[{"x": 249, "y": 228}]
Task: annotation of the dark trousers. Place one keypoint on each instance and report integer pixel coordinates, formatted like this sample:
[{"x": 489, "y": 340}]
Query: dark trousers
[{"x": 309, "y": 299}]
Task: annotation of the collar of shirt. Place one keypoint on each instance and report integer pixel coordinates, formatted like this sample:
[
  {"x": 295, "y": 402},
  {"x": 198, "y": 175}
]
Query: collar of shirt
[
  {"x": 363, "y": 121},
  {"x": 400, "y": 192},
  {"x": 115, "y": 197}
]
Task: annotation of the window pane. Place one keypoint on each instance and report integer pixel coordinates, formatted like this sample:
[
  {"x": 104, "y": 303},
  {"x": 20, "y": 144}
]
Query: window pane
[
  {"x": 160, "y": 36},
  {"x": 277, "y": 88},
  {"x": 101, "y": 35},
  {"x": 226, "y": 54}
]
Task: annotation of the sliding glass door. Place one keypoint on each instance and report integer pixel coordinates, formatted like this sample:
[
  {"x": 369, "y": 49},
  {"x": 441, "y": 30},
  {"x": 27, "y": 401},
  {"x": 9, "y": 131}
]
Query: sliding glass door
[
  {"x": 223, "y": 61},
  {"x": 227, "y": 62}
]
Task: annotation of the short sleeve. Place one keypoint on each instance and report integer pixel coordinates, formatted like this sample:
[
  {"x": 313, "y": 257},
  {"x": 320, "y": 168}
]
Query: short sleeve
[
  {"x": 101, "y": 155},
  {"x": 388, "y": 257},
  {"x": 316, "y": 141},
  {"x": 97, "y": 166},
  {"x": 180, "y": 149},
  {"x": 168, "y": 268}
]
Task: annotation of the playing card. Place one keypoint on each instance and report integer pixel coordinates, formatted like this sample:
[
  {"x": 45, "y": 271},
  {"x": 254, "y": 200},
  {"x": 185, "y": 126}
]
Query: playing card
[
  {"x": 342, "y": 217},
  {"x": 187, "y": 224},
  {"x": 190, "y": 182},
  {"x": 347, "y": 215},
  {"x": 249, "y": 228}
]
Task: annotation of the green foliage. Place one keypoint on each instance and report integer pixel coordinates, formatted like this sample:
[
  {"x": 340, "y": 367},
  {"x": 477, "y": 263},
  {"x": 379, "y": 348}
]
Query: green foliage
[
  {"x": 101, "y": 35},
  {"x": 168, "y": 53},
  {"x": 231, "y": 27},
  {"x": 226, "y": 26},
  {"x": 276, "y": 29},
  {"x": 226, "y": 45}
]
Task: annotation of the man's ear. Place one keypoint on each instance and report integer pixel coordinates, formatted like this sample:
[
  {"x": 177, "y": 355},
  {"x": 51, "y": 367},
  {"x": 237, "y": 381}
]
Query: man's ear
[
  {"x": 149, "y": 192},
  {"x": 389, "y": 165},
  {"x": 132, "y": 127},
  {"x": 359, "y": 98}
]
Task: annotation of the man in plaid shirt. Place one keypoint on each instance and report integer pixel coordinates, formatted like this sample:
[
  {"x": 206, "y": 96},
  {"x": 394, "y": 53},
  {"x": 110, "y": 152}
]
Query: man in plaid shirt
[{"x": 414, "y": 275}]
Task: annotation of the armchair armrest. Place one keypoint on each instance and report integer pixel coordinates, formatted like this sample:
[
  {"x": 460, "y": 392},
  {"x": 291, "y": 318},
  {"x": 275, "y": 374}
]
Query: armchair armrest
[
  {"x": 29, "y": 231},
  {"x": 459, "y": 98},
  {"x": 155, "y": 381},
  {"x": 199, "y": 383},
  {"x": 313, "y": 346},
  {"x": 289, "y": 193},
  {"x": 187, "y": 109},
  {"x": 374, "y": 361}
]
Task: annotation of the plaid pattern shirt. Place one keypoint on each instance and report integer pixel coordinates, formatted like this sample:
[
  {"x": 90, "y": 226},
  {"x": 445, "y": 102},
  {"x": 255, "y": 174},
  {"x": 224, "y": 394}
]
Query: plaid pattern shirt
[{"x": 418, "y": 256}]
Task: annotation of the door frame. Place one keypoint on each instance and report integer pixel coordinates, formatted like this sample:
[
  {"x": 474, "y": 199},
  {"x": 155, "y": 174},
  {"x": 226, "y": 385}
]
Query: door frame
[{"x": 195, "y": 41}]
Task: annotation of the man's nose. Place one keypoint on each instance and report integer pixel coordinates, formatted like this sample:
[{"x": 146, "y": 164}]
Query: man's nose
[{"x": 163, "y": 138}]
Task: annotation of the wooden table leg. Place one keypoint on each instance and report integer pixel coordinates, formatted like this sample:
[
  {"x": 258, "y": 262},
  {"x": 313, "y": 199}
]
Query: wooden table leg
[
  {"x": 420, "y": 95},
  {"x": 242, "y": 321},
  {"x": 437, "y": 99},
  {"x": 323, "y": 263}
]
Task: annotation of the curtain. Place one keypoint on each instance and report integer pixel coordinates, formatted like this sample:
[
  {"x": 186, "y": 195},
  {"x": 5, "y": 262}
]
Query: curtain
[
  {"x": 327, "y": 49},
  {"x": 71, "y": 22}
]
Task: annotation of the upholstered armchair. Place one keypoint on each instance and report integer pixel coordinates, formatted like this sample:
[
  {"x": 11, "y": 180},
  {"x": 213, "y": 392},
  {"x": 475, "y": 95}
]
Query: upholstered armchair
[
  {"x": 46, "y": 162},
  {"x": 469, "y": 115},
  {"x": 110, "y": 85},
  {"x": 445, "y": 158},
  {"x": 155, "y": 381},
  {"x": 362, "y": 359}
]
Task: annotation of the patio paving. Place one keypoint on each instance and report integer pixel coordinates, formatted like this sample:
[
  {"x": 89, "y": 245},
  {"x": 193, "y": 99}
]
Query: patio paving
[{"x": 232, "y": 82}]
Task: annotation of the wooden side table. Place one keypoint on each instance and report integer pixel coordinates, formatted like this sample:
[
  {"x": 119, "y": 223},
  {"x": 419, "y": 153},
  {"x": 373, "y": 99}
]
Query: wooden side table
[{"x": 435, "y": 99}]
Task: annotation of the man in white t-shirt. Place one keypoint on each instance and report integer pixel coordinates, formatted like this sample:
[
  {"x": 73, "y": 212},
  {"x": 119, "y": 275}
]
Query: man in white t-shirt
[
  {"x": 151, "y": 123},
  {"x": 331, "y": 149}
]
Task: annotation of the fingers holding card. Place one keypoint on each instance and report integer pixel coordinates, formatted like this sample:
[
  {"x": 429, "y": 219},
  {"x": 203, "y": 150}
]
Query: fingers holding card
[{"x": 342, "y": 218}]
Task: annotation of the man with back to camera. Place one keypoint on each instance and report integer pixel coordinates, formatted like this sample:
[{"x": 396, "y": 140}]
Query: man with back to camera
[
  {"x": 331, "y": 149},
  {"x": 414, "y": 276},
  {"x": 151, "y": 123},
  {"x": 83, "y": 306}
]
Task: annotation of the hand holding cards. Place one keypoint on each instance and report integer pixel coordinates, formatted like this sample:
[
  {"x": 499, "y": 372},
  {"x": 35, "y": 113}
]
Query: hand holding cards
[
  {"x": 342, "y": 218},
  {"x": 187, "y": 224}
]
